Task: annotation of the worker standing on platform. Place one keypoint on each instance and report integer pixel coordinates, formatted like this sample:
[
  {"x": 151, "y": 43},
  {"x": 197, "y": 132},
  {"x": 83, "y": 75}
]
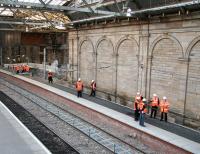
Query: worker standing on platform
[
  {"x": 154, "y": 106},
  {"x": 17, "y": 69},
  {"x": 50, "y": 76},
  {"x": 93, "y": 88},
  {"x": 142, "y": 110},
  {"x": 79, "y": 87},
  {"x": 138, "y": 98},
  {"x": 164, "y": 108}
]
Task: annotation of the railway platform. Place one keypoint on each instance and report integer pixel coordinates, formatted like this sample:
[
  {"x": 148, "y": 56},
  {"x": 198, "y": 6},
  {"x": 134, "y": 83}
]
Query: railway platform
[
  {"x": 15, "y": 137},
  {"x": 183, "y": 138}
]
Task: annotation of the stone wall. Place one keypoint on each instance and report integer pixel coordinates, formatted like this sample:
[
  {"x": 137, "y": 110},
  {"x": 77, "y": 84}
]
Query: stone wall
[{"x": 161, "y": 57}]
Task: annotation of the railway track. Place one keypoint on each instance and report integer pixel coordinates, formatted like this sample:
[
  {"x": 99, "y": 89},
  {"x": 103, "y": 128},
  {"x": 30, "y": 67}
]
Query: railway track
[
  {"x": 98, "y": 135},
  {"x": 52, "y": 141}
]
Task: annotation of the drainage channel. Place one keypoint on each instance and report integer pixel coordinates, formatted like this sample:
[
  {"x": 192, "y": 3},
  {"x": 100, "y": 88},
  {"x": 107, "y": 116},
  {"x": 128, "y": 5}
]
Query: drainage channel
[
  {"x": 53, "y": 142},
  {"x": 81, "y": 125}
]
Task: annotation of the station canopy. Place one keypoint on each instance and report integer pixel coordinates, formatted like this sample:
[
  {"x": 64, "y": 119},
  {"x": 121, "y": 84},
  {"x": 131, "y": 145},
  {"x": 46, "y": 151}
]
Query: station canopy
[{"x": 59, "y": 15}]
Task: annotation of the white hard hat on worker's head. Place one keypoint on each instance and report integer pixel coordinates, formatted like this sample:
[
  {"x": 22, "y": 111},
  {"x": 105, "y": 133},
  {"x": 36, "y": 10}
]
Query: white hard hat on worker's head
[
  {"x": 79, "y": 79},
  {"x": 49, "y": 70},
  {"x": 164, "y": 97},
  {"x": 138, "y": 93},
  {"x": 144, "y": 99},
  {"x": 138, "y": 97},
  {"x": 92, "y": 80},
  {"x": 154, "y": 95}
]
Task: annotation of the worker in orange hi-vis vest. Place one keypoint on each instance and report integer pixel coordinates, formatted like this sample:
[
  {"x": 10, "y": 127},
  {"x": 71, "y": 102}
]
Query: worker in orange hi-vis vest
[
  {"x": 142, "y": 111},
  {"x": 164, "y": 108},
  {"x": 79, "y": 87},
  {"x": 17, "y": 68},
  {"x": 27, "y": 68},
  {"x": 138, "y": 98},
  {"x": 154, "y": 105}
]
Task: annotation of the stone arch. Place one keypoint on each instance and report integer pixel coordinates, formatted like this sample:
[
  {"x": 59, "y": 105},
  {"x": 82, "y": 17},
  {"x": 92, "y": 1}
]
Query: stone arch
[
  {"x": 192, "y": 105},
  {"x": 105, "y": 65},
  {"x": 86, "y": 60},
  {"x": 103, "y": 38},
  {"x": 160, "y": 38},
  {"x": 167, "y": 71},
  {"x": 191, "y": 45},
  {"x": 124, "y": 38},
  {"x": 127, "y": 51}
]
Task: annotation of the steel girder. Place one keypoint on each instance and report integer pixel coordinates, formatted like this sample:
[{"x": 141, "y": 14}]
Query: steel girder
[{"x": 40, "y": 6}]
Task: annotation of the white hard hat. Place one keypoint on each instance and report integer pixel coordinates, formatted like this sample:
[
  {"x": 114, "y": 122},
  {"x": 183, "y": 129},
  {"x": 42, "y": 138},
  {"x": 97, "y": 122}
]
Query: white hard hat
[
  {"x": 144, "y": 99},
  {"x": 92, "y": 80},
  {"x": 137, "y": 97},
  {"x": 79, "y": 79},
  {"x": 49, "y": 70},
  {"x": 164, "y": 97},
  {"x": 138, "y": 93},
  {"x": 154, "y": 95}
]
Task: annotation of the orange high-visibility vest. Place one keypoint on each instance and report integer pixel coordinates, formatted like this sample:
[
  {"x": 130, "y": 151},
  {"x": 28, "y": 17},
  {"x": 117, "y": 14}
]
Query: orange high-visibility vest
[
  {"x": 164, "y": 106},
  {"x": 27, "y": 68},
  {"x": 79, "y": 86},
  {"x": 141, "y": 106},
  {"x": 154, "y": 101},
  {"x": 17, "y": 68}
]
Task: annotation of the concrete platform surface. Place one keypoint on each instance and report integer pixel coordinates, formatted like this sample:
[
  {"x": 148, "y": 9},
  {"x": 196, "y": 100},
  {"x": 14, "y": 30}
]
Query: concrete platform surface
[
  {"x": 15, "y": 138},
  {"x": 164, "y": 135}
]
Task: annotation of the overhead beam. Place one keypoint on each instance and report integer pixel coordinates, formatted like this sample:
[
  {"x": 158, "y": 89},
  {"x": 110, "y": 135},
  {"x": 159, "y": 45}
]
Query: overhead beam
[
  {"x": 58, "y": 8},
  {"x": 22, "y": 23},
  {"x": 116, "y": 3},
  {"x": 88, "y": 6},
  {"x": 139, "y": 12},
  {"x": 43, "y": 3}
]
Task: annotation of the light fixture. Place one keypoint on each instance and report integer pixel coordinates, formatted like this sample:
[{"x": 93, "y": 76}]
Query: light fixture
[
  {"x": 60, "y": 26},
  {"x": 27, "y": 29},
  {"x": 8, "y": 58},
  {"x": 128, "y": 13}
]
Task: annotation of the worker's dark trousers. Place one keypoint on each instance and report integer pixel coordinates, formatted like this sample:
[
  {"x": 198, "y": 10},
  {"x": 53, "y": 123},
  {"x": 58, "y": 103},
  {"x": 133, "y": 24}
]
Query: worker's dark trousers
[
  {"x": 79, "y": 93},
  {"x": 137, "y": 115},
  {"x": 162, "y": 114},
  {"x": 153, "y": 111},
  {"x": 141, "y": 118},
  {"x": 93, "y": 93},
  {"x": 50, "y": 79}
]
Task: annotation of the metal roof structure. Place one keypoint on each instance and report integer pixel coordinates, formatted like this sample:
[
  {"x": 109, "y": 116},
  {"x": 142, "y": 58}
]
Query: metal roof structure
[{"x": 55, "y": 15}]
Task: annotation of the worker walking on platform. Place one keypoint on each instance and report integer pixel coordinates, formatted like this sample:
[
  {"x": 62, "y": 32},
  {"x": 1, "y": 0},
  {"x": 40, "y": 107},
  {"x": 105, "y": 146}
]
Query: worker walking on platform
[
  {"x": 79, "y": 87},
  {"x": 93, "y": 88},
  {"x": 50, "y": 76},
  {"x": 154, "y": 106},
  {"x": 138, "y": 98},
  {"x": 164, "y": 108},
  {"x": 142, "y": 110}
]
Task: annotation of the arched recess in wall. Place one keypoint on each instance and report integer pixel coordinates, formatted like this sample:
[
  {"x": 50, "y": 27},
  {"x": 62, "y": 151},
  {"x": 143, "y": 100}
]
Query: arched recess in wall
[
  {"x": 86, "y": 61},
  {"x": 127, "y": 66},
  {"x": 192, "y": 108},
  {"x": 168, "y": 71},
  {"x": 105, "y": 69}
]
